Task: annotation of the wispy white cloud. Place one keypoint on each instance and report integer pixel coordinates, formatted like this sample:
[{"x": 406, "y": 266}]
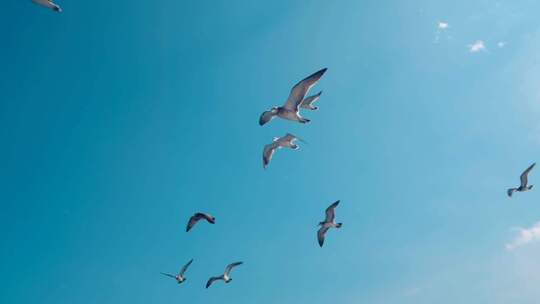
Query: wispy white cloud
[
  {"x": 478, "y": 46},
  {"x": 525, "y": 236},
  {"x": 443, "y": 25}
]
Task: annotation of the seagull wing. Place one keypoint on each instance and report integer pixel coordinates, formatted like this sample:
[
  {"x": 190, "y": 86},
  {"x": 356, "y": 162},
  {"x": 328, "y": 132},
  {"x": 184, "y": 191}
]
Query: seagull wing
[
  {"x": 321, "y": 235},
  {"x": 331, "y": 212},
  {"x": 306, "y": 103},
  {"x": 268, "y": 152},
  {"x": 231, "y": 266},
  {"x": 193, "y": 220},
  {"x": 299, "y": 91},
  {"x": 524, "y": 176},
  {"x": 510, "y": 191},
  {"x": 266, "y": 116},
  {"x": 208, "y": 217},
  {"x": 183, "y": 270},
  {"x": 48, "y": 4},
  {"x": 212, "y": 280},
  {"x": 168, "y": 275}
]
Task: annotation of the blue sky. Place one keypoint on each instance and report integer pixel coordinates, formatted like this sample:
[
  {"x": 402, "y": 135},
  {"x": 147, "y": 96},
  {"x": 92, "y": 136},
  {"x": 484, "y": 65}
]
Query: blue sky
[{"x": 120, "y": 119}]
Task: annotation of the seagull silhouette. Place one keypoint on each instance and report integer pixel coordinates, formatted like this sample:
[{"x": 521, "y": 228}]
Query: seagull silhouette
[
  {"x": 286, "y": 141},
  {"x": 329, "y": 222},
  {"x": 524, "y": 178},
  {"x": 197, "y": 217},
  {"x": 225, "y": 276},
  {"x": 180, "y": 278},
  {"x": 290, "y": 110}
]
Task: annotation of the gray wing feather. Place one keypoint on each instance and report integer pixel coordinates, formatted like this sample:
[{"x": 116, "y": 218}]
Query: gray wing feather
[
  {"x": 266, "y": 116},
  {"x": 231, "y": 266},
  {"x": 299, "y": 91},
  {"x": 212, "y": 280},
  {"x": 268, "y": 152},
  {"x": 524, "y": 176},
  {"x": 48, "y": 4},
  {"x": 306, "y": 103},
  {"x": 321, "y": 234},
  {"x": 510, "y": 191},
  {"x": 331, "y": 212},
  {"x": 183, "y": 270},
  {"x": 168, "y": 275}
]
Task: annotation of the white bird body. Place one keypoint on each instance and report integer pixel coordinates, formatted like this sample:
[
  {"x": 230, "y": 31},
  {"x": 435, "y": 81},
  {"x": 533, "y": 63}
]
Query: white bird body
[
  {"x": 48, "y": 4},
  {"x": 291, "y": 109}
]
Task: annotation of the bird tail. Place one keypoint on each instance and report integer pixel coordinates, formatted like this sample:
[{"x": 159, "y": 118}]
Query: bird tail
[
  {"x": 530, "y": 187},
  {"x": 338, "y": 225}
]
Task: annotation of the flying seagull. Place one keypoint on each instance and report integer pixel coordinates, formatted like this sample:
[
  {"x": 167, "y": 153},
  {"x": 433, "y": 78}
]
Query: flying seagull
[
  {"x": 309, "y": 101},
  {"x": 290, "y": 110},
  {"x": 225, "y": 276},
  {"x": 180, "y": 278},
  {"x": 197, "y": 217},
  {"x": 524, "y": 181},
  {"x": 329, "y": 222},
  {"x": 49, "y": 4},
  {"x": 286, "y": 141}
]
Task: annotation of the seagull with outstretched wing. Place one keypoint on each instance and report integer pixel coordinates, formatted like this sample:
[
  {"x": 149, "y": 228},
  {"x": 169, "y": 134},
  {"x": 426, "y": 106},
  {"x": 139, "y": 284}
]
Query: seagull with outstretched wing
[
  {"x": 329, "y": 222},
  {"x": 286, "y": 141},
  {"x": 524, "y": 179},
  {"x": 180, "y": 277},
  {"x": 290, "y": 110},
  {"x": 48, "y": 4},
  {"x": 197, "y": 217},
  {"x": 225, "y": 276}
]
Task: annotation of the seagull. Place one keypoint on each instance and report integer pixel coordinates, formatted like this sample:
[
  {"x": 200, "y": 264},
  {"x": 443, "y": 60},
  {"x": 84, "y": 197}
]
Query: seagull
[
  {"x": 225, "y": 276},
  {"x": 329, "y": 222},
  {"x": 309, "y": 101},
  {"x": 524, "y": 181},
  {"x": 49, "y": 4},
  {"x": 290, "y": 110},
  {"x": 197, "y": 217},
  {"x": 180, "y": 278},
  {"x": 286, "y": 141}
]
